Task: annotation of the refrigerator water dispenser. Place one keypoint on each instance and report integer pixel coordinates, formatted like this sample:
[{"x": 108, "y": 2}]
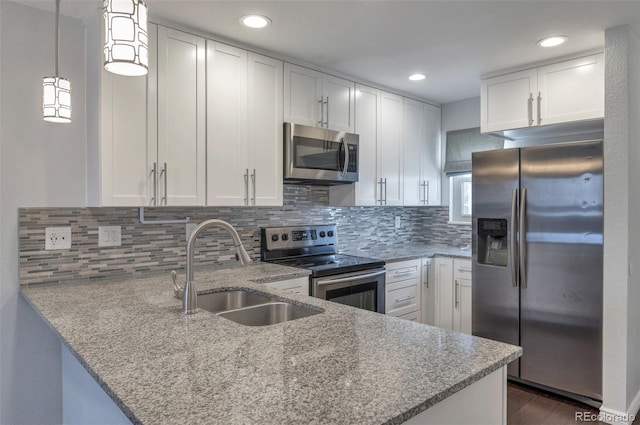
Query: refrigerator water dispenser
[{"x": 492, "y": 242}]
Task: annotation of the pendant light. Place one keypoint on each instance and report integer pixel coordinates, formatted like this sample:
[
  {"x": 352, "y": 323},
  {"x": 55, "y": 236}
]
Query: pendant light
[
  {"x": 56, "y": 91},
  {"x": 126, "y": 46}
]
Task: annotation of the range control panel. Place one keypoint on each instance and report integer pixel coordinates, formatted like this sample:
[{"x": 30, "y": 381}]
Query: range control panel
[{"x": 277, "y": 238}]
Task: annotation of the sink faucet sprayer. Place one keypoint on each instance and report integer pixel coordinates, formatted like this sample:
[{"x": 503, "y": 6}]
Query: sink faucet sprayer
[{"x": 190, "y": 292}]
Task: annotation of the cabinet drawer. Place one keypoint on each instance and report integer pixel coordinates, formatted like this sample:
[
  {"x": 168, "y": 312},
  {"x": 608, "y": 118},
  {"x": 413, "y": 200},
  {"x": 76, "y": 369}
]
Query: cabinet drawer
[
  {"x": 413, "y": 316},
  {"x": 405, "y": 270},
  {"x": 461, "y": 269},
  {"x": 402, "y": 297}
]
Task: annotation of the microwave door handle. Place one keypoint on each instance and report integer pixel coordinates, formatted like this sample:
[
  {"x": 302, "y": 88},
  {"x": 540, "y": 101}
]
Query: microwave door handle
[
  {"x": 324, "y": 282},
  {"x": 345, "y": 167}
]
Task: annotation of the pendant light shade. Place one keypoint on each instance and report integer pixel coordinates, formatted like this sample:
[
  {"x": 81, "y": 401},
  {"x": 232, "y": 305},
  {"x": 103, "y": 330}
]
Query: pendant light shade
[
  {"x": 56, "y": 91},
  {"x": 56, "y": 99},
  {"x": 126, "y": 50}
]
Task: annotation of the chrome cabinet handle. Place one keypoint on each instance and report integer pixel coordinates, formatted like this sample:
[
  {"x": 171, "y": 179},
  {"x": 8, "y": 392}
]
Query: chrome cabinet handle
[
  {"x": 425, "y": 192},
  {"x": 321, "y": 102},
  {"x": 514, "y": 246},
  {"x": 326, "y": 102},
  {"x": 154, "y": 171},
  {"x": 425, "y": 270},
  {"x": 163, "y": 173},
  {"x": 530, "y": 109},
  {"x": 253, "y": 184},
  {"x": 246, "y": 186},
  {"x": 385, "y": 191},
  {"x": 401, "y": 300},
  {"x": 403, "y": 272},
  {"x": 523, "y": 239},
  {"x": 539, "y": 108},
  {"x": 456, "y": 294},
  {"x": 380, "y": 183}
]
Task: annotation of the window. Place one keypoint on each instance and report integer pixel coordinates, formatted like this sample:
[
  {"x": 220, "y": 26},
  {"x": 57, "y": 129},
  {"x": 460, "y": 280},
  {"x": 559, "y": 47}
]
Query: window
[{"x": 460, "y": 198}]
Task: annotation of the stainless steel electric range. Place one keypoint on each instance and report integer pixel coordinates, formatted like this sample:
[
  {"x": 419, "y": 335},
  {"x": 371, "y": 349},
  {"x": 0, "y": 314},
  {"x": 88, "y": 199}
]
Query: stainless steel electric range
[{"x": 345, "y": 279}]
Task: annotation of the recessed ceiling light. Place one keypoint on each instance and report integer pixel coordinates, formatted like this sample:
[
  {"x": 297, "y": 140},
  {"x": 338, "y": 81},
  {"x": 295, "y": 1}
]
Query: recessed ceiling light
[
  {"x": 417, "y": 77},
  {"x": 255, "y": 21},
  {"x": 556, "y": 40}
]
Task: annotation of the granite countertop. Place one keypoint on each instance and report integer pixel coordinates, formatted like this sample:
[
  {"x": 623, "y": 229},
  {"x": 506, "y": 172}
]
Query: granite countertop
[
  {"x": 344, "y": 366},
  {"x": 404, "y": 252}
]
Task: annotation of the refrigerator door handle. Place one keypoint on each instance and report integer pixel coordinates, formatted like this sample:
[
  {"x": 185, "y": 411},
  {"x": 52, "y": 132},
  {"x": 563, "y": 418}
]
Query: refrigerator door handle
[
  {"x": 514, "y": 239},
  {"x": 523, "y": 242}
]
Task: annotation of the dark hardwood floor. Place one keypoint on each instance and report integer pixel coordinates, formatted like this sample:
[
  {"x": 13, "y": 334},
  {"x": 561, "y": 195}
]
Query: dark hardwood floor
[{"x": 528, "y": 406}]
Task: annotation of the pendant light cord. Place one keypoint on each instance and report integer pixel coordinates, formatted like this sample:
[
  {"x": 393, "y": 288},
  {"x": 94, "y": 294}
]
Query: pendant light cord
[{"x": 57, "y": 33}]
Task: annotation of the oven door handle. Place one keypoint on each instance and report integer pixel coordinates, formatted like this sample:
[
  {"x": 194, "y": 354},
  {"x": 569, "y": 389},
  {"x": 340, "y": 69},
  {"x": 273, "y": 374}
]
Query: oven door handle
[{"x": 324, "y": 282}]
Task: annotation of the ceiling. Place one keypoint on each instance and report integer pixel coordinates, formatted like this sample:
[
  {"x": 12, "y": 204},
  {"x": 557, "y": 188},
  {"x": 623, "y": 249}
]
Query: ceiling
[{"x": 383, "y": 42}]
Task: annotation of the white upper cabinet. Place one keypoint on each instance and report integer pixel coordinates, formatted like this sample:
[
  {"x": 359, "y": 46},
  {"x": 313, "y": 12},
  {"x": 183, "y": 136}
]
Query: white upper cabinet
[
  {"x": 567, "y": 91},
  {"x": 244, "y": 127},
  {"x": 571, "y": 91},
  {"x": 181, "y": 118},
  {"x": 390, "y": 154},
  {"x": 318, "y": 100},
  {"x": 264, "y": 130},
  {"x": 421, "y": 152}
]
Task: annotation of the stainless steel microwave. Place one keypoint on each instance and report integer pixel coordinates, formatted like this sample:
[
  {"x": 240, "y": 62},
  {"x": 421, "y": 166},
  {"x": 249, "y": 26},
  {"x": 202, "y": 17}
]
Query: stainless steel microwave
[{"x": 319, "y": 155}]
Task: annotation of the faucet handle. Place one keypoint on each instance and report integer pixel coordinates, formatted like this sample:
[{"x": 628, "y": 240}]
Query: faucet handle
[{"x": 178, "y": 292}]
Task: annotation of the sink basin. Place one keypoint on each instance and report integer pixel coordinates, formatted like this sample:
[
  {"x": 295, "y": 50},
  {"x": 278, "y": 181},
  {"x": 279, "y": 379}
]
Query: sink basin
[
  {"x": 230, "y": 300},
  {"x": 268, "y": 314}
]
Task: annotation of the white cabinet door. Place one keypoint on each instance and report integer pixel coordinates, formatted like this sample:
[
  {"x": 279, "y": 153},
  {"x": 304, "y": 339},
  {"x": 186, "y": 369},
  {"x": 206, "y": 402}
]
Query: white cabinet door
[
  {"x": 227, "y": 176},
  {"x": 444, "y": 293},
  {"x": 508, "y": 101},
  {"x": 128, "y": 135},
  {"x": 430, "y": 168},
  {"x": 428, "y": 291},
  {"x": 571, "y": 91},
  {"x": 339, "y": 97},
  {"x": 265, "y": 130},
  {"x": 390, "y": 155},
  {"x": 181, "y": 118},
  {"x": 462, "y": 295},
  {"x": 302, "y": 93},
  {"x": 367, "y": 126},
  {"x": 413, "y": 149}
]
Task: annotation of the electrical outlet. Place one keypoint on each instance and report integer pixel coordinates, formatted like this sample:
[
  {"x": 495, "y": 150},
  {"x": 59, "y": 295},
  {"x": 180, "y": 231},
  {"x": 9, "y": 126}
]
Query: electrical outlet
[
  {"x": 189, "y": 229},
  {"x": 397, "y": 222},
  {"x": 109, "y": 236},
  {"x": 57, "y": 238}
]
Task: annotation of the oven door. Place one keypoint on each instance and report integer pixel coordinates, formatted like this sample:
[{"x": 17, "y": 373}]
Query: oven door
[
  {"x": 364, "y": 289},
  {"x": 320, "y": 155}
]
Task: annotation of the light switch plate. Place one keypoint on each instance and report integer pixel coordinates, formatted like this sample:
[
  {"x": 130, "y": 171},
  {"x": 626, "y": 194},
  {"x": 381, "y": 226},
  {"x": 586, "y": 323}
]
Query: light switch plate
[
  {"x": 397, "y": 222},
  {"x": 57, "y": 238},
  {"x": 109, "y": 236}
]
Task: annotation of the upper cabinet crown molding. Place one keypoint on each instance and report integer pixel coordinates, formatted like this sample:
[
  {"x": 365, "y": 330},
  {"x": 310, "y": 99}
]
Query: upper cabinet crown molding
[
  {"x": 568, "y": 91},
  {"x": 318, "y": 100}
]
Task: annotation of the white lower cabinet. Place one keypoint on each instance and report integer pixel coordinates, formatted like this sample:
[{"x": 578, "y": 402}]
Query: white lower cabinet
[
  {"x": 452, "y": 281},
  {"x": 403, "y": 289},
  {"x": 298, "y": 285}
]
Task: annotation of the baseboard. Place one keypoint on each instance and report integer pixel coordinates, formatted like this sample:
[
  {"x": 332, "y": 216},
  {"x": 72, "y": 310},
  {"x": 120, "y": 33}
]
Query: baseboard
[{"x": 616, "y": 417}]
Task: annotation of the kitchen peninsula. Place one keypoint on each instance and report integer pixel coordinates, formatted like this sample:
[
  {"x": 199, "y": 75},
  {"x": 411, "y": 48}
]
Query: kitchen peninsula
[{"x": 344, "y": 365}]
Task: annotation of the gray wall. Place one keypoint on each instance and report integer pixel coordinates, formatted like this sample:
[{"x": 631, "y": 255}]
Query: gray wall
[{"x": 42, "y": 164}]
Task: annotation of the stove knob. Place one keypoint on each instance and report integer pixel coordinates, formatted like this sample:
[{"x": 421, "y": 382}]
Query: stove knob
[
  {"x": 330, "y": 233},
  {"x": 322, "y": 234},
  {"x": 285, "y": 237},
  {"x": 274, "y": 237}
]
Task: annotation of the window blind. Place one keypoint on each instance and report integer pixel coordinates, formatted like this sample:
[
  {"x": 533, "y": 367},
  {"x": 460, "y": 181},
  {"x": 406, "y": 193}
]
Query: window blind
[{"x": 460, "y": 145}]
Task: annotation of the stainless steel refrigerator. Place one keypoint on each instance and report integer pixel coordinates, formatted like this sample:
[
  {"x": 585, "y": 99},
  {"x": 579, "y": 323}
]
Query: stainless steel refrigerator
[{"x": 537, "y": 269}]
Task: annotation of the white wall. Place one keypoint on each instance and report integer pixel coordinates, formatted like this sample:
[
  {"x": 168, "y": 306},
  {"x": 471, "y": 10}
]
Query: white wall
[
  {"x": 42, "y": 164},
  {"x": 622, "y": 235},
  {"x": 457, "y": 116}
]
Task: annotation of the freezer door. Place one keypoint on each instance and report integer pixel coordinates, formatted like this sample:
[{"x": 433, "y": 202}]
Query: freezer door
[
  {"x": 495, "y": 297},
  {"x": 561, "y": 273}
]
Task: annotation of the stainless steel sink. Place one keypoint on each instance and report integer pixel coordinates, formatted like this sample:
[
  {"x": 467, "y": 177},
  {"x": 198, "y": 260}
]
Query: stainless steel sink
[
  {"x": 216, "y": 302},
  {"x": 268, "y": 314}
]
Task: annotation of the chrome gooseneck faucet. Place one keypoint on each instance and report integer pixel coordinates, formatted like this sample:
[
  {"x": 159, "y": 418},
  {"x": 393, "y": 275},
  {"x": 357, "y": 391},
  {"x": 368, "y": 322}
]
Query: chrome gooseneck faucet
[{"x": 190, "y": 292}]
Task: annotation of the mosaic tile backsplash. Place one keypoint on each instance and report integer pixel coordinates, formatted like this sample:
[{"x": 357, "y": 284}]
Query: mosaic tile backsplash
[{"x": 162, "y": 247}]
